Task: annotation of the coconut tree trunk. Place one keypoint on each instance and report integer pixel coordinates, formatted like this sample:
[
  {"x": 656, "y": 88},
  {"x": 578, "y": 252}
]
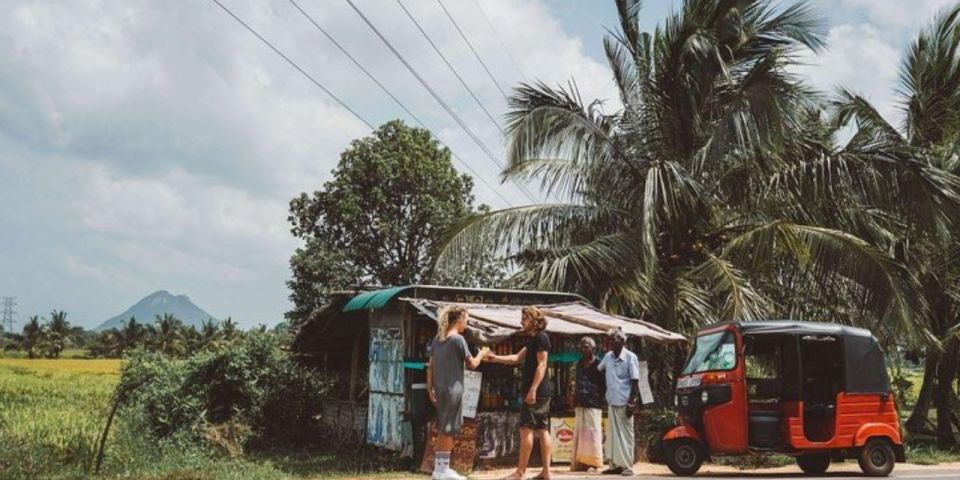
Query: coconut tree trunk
[
  {"x": 917, "y": 423},
  {"x": 944, "y": 392}
]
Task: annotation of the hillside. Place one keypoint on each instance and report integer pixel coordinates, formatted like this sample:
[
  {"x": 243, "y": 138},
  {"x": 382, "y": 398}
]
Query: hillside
[{"x": 159, "y": 303}]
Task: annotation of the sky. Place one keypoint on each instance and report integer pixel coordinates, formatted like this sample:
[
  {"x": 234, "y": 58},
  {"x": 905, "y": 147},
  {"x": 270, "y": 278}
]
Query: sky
[{"x": 148, "y": 145}]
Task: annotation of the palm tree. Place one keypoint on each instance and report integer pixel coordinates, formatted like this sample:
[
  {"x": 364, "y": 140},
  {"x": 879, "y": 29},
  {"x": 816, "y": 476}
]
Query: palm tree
[
  {"x": 659, "y": 213},
  {"x": 32, "y": 333},
  {"x": 229, "y": 330},
  {"x": 923, "y": 236},
  {"x": 115, "y": 343},
  {"x": 59, "y": 332},
  {"x": 209, "y": 335},
  {"x": 166, "y": 335}
]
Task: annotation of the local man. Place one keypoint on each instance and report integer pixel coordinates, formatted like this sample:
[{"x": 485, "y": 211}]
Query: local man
[
  {"x": 588, "y": 427},
  {"x": 622, "y": 372}
]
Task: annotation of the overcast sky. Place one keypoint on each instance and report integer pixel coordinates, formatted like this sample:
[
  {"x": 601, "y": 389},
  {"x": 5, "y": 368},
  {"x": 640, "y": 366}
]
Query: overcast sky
[{"x": 150, "y": 145}]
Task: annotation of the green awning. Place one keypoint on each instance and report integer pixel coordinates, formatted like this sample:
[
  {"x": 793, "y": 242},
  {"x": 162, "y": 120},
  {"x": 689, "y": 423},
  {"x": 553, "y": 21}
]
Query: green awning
[{"x": 372, "y": 300}]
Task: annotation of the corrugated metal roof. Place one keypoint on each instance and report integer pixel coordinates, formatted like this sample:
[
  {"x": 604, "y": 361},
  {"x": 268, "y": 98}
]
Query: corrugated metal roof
[
  {"x": 372, "y": 300},
  {"x": 492, "y": 323}
]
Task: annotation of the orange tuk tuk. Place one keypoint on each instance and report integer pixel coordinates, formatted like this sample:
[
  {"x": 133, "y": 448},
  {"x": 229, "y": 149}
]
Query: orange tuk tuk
[{"x": 815, "y": 391}]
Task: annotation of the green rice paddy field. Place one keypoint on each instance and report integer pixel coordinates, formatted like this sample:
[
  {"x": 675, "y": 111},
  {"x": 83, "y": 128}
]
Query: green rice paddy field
[{"x": 52, "y": 413}]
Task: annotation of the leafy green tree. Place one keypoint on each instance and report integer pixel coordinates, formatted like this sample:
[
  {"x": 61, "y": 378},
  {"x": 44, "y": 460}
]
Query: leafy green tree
[
  {"x": 661, "y": 215},
  {"x": 379, "y": 220}
]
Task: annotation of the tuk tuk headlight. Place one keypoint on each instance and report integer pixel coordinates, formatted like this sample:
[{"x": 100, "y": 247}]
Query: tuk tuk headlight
[{"x": 704, "y": 397}]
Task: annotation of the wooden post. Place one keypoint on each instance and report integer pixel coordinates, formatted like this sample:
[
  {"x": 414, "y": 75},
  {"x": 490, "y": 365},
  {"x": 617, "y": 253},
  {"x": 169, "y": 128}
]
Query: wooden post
[{"x": 106, "y": 431}]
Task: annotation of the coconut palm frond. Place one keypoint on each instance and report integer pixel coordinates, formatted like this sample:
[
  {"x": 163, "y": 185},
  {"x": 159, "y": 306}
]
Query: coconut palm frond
[
  {"x": 849, "y": 106},
  {"x": 796, "y": 26},
  {"x": 511, "y": 231},
  {"x": 930, "y": 81},
  {"x": 590, "y": 264},
  {"x": 826, "y": 252},
  {"x": 554, "y": 122},
  {"x": 737, "y": 298}
]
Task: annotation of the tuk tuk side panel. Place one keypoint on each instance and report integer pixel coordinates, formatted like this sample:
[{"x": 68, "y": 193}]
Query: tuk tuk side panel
[{"x": 858, "y": 417}]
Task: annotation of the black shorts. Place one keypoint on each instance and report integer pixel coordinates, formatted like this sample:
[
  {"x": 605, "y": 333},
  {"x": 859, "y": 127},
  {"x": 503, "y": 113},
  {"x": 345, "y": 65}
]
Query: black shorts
[{"x": 536, "y": 416}]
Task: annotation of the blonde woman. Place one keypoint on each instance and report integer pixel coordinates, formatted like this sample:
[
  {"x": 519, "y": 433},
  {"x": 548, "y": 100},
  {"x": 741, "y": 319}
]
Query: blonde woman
[{"x": 449, "y": 355}]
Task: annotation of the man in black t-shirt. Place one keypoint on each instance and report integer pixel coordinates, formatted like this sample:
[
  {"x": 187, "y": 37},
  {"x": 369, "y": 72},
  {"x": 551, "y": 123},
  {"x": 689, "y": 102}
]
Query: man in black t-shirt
[{"x": 535, "y": 387}]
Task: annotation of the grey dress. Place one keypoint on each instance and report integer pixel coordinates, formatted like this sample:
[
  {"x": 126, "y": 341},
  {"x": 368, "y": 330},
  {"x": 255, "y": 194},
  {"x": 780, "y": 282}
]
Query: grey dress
[{"x": 448, "y": 359}]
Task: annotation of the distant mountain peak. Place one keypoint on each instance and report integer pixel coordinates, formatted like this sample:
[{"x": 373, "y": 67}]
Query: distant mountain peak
[{"x": 159, "y": 303}]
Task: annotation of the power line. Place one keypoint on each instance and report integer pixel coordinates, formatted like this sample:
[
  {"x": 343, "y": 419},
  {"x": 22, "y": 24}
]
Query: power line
[
  {"x": 393, "y": 97},
  {"x": 294, "y": 65},
  {"x": 337, "y": 99},
  {"x": 475, "y": 54},
  {"x": 434, "y": 94},
  {"x": 450, "y": 66},
  {"x": 499, "y": 40}
]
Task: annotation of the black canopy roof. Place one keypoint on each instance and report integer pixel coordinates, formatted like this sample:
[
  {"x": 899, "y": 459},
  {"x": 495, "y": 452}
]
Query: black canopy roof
[{"x": 799, "y": 328}]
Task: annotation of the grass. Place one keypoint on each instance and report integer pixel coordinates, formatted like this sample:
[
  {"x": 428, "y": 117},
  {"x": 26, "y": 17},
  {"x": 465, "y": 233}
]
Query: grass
[{"x": 52, "y": 412}]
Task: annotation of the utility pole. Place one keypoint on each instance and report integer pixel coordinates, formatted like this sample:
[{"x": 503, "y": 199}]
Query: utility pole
[{"x": 6, "y": 314}]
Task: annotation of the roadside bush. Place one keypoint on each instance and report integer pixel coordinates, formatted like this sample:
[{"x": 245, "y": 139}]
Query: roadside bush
[
  {"x": 653, "y": 424},
  {"x": 250, "y": 395}
]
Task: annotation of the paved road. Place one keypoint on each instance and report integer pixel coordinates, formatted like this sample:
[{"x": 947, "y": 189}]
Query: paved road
[
  {"x": 844, "y": 471},
  {"x": 897, "y": 473},
  {"x": 943, "y": 474}
]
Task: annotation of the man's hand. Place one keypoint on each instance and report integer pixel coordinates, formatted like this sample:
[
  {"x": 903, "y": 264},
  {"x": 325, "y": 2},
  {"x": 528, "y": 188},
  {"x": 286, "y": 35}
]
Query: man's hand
[
  {"x": 531, "y": 397},
  {"x": 631, "y": 409},
  {"x": 433, "y": 397}
]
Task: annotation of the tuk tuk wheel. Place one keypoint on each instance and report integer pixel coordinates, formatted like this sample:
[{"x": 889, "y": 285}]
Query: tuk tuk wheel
[
  {"x": 877, "y": 458},
  {"x": 684, "y": 456},
  {"x": 814, "y": 463}
]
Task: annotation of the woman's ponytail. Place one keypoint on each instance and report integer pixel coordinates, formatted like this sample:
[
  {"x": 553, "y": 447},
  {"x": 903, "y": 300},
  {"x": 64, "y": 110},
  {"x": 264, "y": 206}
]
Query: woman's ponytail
[{"x": 447, "y": 317}]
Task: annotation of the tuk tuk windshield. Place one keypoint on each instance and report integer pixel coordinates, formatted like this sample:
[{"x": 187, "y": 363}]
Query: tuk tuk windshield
[{"x": 714, "y": 351}]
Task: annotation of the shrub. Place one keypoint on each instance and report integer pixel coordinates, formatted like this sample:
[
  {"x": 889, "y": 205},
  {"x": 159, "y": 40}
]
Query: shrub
[{"x": 250, "y": 395}]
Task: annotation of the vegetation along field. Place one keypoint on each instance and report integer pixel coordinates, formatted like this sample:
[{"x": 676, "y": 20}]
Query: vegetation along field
[{"x": 52, "y": 412}]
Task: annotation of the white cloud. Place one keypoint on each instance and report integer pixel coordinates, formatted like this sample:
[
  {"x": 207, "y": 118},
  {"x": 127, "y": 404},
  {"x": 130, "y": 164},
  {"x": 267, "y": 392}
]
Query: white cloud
[
  {"x": 860, "y": 58},
  {"x": 907, "y": 14},
  {"x": 156, "y": 145}
]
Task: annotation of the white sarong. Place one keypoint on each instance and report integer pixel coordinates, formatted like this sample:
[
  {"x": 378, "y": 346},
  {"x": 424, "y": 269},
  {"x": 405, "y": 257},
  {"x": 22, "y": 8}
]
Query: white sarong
[
  {"x": 587, "y": 439},
  {"x": 620, "y": 439}
]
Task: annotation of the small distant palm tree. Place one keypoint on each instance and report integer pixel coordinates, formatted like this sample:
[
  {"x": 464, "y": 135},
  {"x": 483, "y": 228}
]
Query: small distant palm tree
[
  {"x": 209, "y": 336},
  {"x": 131, "y": 335},
  {"x": 229, "y": 330},
  {"x": 167, "y": 335},
  {"x": 32, "y": 336},
  {"x": 60, "y": 332}
]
